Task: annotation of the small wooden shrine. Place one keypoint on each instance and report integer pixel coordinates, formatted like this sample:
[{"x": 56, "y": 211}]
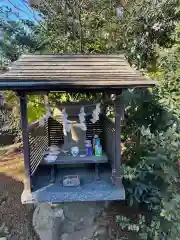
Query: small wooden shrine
[{"x": 74, "y": 152}]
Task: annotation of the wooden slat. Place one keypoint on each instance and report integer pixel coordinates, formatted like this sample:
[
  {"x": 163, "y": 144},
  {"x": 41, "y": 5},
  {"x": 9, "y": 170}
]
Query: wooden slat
[
  {"x": 72, "y": 75},
  {"x": 35, "y": 166},
  {"x": 36, "y": 140},
  {"x": 78, "y": 160},
  {"x": 36, "y": 155},
  {"x": 79, "y": 79},
  {"x": 35, "y": 150},
  {"x": 89, "y": 82},
  {"x": 56, "y": 135},
  {"x": 68, "y": 63},
  {"x": 94, "y": 128},
  {"x": 37, "y": 145},
  {"x": 58, "y": 69},
  {"x": 74, "y": 57},
  {"x": 33, "y": 170},
  {"x": 35, "y": 160},
  {"x": 73, "y": 62}
]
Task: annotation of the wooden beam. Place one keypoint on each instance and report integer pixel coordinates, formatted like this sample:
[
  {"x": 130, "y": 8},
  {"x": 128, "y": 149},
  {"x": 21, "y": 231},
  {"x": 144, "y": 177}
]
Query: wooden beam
[
  {"x": 25, "y": 135},
  {"x": 119, "y": 111}
]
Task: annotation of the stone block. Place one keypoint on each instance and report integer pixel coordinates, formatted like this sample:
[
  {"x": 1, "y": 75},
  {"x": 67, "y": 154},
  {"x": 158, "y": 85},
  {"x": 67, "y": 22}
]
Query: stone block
[{"x": 47, "y": 222}]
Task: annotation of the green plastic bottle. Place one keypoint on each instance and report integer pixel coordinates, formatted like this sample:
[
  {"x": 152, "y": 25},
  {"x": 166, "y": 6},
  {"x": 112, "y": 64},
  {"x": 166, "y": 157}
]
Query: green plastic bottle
[{"x": 98, "y": 148}]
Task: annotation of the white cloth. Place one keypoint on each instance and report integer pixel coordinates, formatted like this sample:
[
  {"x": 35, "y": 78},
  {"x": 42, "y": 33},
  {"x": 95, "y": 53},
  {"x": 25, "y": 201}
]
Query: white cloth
[
  {"x": 96, "y": 113},
  {"x": 119, "y": 12},
  {"x": 82, "y": 119},
  {"x": 66, "y": 125},
  {"x": 50, "y": 158},
  {"x": 43, "y": 120}
]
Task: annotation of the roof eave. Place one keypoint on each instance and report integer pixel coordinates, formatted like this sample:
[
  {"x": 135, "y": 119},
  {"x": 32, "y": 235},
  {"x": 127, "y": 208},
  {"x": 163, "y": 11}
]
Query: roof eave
[{"x": 55, "y": 85}]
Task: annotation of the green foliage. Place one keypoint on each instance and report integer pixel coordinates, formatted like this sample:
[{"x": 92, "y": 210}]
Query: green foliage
[
  {"x": 12, "y": 102},
  {"x": 156, "y": 169},
  {"x": 169, "y": 76},
  {"x": 146, "y": 25},
  {"x": 152, "y": 174},
  {"x": 142, "y": 109},
  {"x": 80, "y": 26},
  {"x": 93, "y": 27},
  {"x": 73, "y": 97},
  {"x": 154, "y": 182},
  {"x": 36, "y": 108},
  {"x": 150, "y": 227},
  {"x": 17, "y": 37}
]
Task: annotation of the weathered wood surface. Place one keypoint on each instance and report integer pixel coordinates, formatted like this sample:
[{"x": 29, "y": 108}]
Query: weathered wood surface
[
  {"x": 25, "y": 135},
  {"x": 71, "y": 71},
  {"x": 119, "y": 112}
]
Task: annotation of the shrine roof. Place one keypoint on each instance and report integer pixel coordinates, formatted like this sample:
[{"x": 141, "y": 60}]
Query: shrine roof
[{"x": 72, "y": 72}]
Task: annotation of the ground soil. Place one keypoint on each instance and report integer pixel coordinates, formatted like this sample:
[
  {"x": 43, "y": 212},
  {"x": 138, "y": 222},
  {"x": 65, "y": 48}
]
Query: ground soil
[{"x": 17, "y": 217}]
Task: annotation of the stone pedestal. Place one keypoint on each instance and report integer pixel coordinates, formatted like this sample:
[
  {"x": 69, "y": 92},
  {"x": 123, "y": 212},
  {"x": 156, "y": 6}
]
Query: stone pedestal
[
  {"x": 70, "y": 221},
  {"x": 47, "y": 222}
]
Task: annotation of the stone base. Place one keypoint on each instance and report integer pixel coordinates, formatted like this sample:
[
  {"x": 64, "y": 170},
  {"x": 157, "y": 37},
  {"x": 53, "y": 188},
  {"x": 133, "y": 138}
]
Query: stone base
[
  {"x": 47, "y": 222},
  {"x": 57, "y": 194},
  {"x": 90, "y": 189},
  {"x": 69, "y": 221}
]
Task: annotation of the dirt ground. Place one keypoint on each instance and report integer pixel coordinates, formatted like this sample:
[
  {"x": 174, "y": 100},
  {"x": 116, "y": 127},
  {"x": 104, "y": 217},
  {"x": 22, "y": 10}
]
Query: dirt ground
[{"x": 16, "y": 217}]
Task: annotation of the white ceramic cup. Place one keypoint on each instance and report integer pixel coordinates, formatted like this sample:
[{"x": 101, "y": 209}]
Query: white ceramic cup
[{"x": 74, "y": 151}]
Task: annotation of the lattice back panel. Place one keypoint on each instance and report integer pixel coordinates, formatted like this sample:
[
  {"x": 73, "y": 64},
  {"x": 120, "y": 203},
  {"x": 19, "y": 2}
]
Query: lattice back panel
[
  {"x": 94, "y": 128},
  {"x": 37, "y": 146},
  {"x": 55, "y": 132}
]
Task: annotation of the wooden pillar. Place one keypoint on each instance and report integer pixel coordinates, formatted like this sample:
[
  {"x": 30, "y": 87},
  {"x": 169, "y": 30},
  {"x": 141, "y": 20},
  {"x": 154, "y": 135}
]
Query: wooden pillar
[
  {"x": 119, "y": 111},
  {"x": 47, "y": 107},
  {"x": 25, "y": 136}
]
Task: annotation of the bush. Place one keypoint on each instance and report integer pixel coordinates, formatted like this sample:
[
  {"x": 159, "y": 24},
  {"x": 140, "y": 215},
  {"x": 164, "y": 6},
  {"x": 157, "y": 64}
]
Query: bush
[
  {"x": 153, "y": 182},
  {"x": 152, "y": 175}
]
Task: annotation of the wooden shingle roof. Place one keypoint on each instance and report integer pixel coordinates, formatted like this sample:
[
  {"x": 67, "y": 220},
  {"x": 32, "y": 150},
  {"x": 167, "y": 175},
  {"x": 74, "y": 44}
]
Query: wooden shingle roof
[{"x": 70, "y": 72}]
